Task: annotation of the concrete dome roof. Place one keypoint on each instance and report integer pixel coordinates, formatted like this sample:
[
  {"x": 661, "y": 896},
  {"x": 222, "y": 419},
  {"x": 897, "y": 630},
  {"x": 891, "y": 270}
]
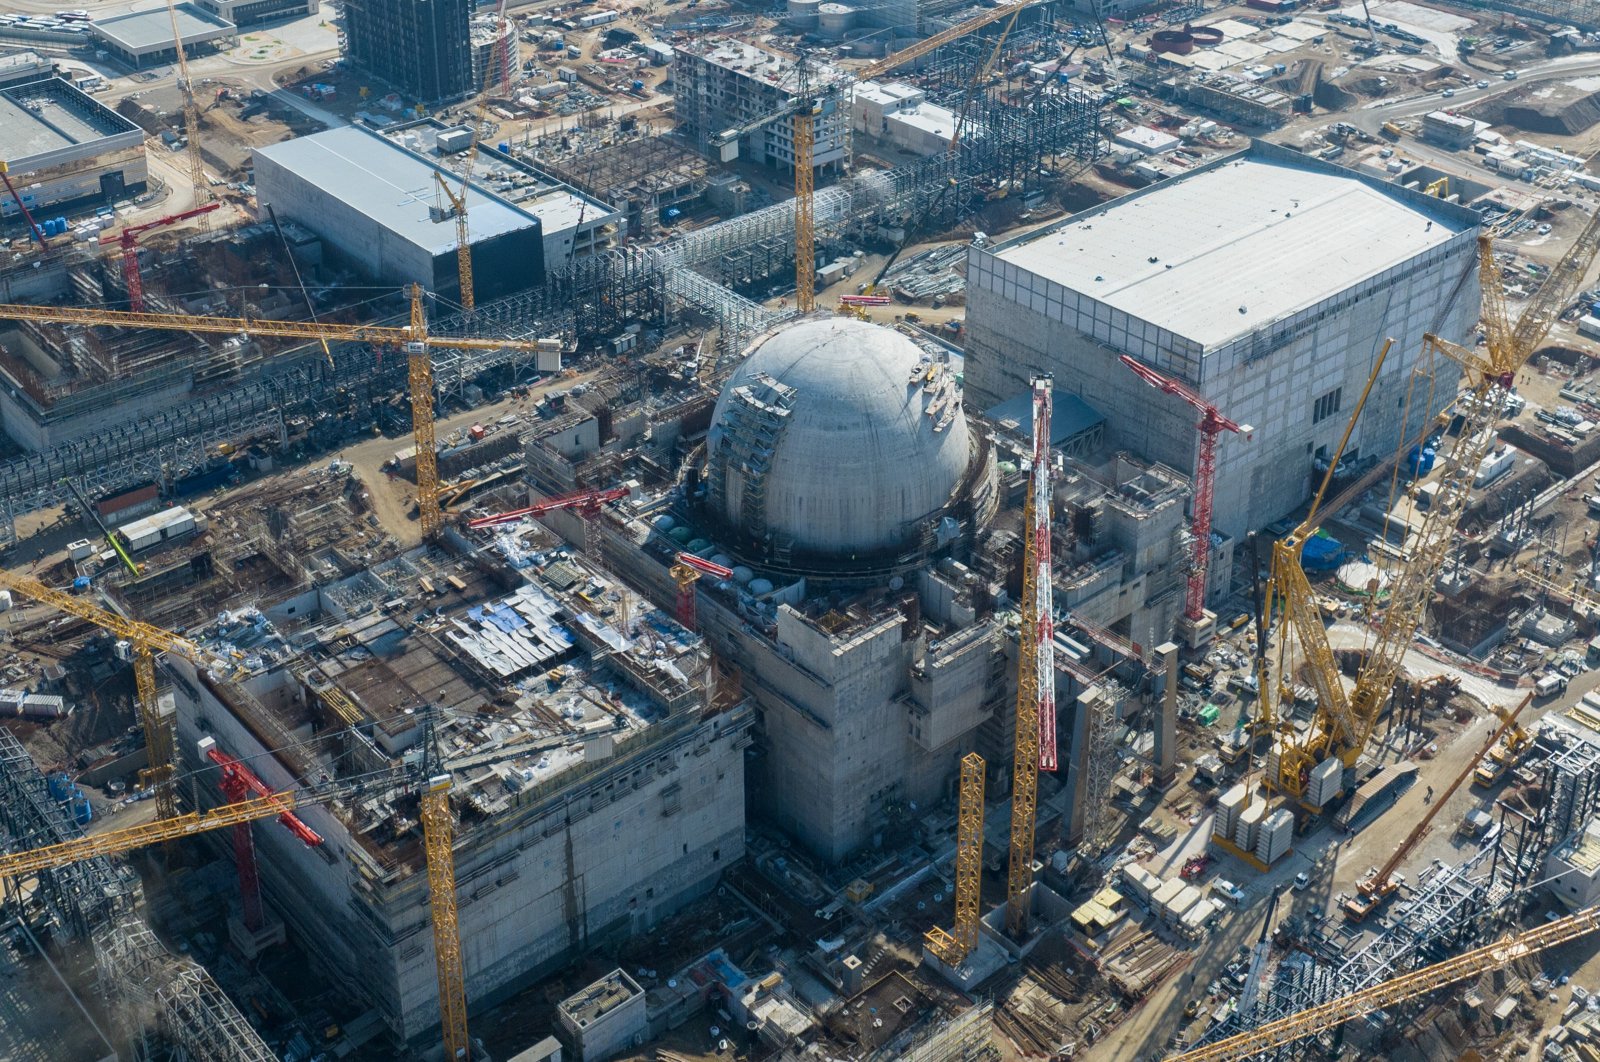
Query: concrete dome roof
[{"x": 823, "y": 442}]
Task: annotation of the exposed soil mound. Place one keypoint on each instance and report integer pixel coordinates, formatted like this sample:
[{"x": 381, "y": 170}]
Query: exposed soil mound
[{"x": 1562, "y": 109}]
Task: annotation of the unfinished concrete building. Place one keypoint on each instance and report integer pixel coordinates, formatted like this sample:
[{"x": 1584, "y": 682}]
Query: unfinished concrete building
[
  {"x": 1190, "y": 278},
  {"x": 724, "y": 85},
  {"x": 422, "y": 49},
  {"x": 640, "y": 177},
  {"x": 619, "y": 799}
]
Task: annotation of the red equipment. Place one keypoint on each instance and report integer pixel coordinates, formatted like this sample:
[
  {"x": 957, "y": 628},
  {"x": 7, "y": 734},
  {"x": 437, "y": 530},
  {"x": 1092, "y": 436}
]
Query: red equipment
[
  {"x": 5, "y": 176},
  {"x": 686, "y": 572},
  {"x": 238, "y": 782},
  {"x": 1212, "y": 424},
  {"x": 1043, "y": 609},
  {"x": 587, "y": 502},
  {"x": 130, "y": 250}
]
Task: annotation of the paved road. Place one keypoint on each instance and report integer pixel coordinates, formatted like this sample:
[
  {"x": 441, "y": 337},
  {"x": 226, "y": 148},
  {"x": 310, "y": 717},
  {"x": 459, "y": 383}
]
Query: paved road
[{"x": 1372, "y": 116}]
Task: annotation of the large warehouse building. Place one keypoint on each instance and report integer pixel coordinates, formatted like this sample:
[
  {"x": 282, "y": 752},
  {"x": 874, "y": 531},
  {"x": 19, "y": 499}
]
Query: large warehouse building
[
  {"x": 64, "y": 148},
  {"x": 376, "y": 204},
  {"x": 1267, "y": 282},
  {"x": 144, "y": 38}
]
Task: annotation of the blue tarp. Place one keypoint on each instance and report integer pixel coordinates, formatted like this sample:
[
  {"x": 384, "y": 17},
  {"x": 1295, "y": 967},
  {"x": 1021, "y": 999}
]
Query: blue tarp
[{"x": 1321, "y": 553}]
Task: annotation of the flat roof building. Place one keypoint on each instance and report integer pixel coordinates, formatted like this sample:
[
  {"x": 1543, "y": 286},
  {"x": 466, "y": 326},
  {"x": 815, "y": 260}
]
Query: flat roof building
[
  {"x": 62, "y": 146},
  {"x": 606, "y": 1018},
  {"x": 20, "y": 67},
  {"x": 733, "y": 84},
  {"x": 144, "y": 38},
  {"x": 377, "y": 204},
  {"x": 255, "y": 12},
  {"x": 1265, "y": 280}
]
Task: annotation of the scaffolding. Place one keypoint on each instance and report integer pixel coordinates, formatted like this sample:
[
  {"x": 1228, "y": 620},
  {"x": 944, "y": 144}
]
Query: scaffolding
[
  {"x": 1567, "y": 766},
  {"x": 1584, "y": 14},
  {"x": 962, "y": 1038},
  {"x": 1099, "y": 765},
  {"x": 78, "y": 898},
  {"x": 138, "y": 975}
]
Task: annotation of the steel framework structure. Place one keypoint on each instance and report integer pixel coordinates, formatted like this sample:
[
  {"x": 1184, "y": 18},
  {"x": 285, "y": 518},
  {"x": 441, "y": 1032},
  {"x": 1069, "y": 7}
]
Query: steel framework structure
[
  {"x": 137, "y": 972},
  {"x": 81, "y": 897}
]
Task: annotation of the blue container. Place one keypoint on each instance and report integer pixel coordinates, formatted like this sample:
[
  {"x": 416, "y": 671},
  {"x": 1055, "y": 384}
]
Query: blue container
[
  {"x": 638, "y": 86},
  {"x": 504, "y": 147},
  {"x": 61, "y": 225},
  {"x": 81, "y": 583}
]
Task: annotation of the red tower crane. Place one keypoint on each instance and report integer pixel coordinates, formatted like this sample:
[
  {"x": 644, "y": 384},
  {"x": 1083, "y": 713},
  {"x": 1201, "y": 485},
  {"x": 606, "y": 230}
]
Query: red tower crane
[
  {"x": 586, "y": 502},
  {"x": 686, "y": 572},
  {"x": 128, "y": 239},
  {"x": 33, "y": 226},
  {"x": 1212, "y": 423},
  {"x": 238, "y": 782}
]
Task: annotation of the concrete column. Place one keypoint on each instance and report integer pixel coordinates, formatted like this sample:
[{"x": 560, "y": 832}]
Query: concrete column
[{"x": 1166, "y": 750}]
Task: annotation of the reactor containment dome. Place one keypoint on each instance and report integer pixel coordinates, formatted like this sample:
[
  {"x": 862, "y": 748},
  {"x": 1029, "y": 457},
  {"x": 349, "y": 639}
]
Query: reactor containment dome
[{"x": 836, "y": 440}]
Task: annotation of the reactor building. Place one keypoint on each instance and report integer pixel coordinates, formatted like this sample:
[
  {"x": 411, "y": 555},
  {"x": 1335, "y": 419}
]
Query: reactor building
[{"x": 1265, "y": 281}]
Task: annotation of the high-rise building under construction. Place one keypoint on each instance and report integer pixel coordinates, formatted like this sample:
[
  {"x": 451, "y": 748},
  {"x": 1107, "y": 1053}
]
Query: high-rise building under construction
[{"x": 423, "y": 48}]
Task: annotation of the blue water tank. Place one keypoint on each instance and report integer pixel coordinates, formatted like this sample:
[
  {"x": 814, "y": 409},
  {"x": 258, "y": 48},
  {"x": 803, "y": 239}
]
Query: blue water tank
[{"x": 61, "y": 224}]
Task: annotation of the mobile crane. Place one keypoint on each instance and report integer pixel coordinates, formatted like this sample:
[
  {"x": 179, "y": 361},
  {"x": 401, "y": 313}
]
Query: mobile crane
[
  {"x": 413, "y": 339},
  {"x": 1379, "y": 885},
  {"x": 1509, "y": 750},
  {"x": 1344, "y": 721}
]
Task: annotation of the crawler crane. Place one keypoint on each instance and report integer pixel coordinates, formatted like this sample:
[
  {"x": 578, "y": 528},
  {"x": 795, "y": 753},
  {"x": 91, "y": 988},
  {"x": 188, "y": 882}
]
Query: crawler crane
[{"x": 1343, "y": 722}]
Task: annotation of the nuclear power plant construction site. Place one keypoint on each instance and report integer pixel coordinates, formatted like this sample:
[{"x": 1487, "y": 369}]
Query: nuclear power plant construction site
[{"x": 876, "y": 531}]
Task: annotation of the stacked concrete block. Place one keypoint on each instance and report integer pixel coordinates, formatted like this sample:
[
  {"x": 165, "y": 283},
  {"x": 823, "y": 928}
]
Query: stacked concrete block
[
  {"x": 1248, "y": 825},
  {"x": 1275, "y": 836},
  {"x": 1327, "y": 779},
  {"x": 1228, "y": 808},
  {"x": 1141, "y": 882}
]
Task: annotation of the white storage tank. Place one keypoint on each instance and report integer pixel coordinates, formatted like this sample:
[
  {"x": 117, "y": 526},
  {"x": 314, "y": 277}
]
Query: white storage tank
[
  {"x": 802, "y": 15},
  {"x": 835, "y": 20}
]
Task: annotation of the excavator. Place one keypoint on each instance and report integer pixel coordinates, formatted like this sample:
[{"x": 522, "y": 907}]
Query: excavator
[{"x": 1506, "y": 754}]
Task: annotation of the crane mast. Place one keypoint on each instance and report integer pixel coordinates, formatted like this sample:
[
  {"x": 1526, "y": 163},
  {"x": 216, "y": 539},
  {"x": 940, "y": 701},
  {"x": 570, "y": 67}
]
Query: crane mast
[
  {"x": 1035, "y": 747},
  {"x": 191, "y": 121}
]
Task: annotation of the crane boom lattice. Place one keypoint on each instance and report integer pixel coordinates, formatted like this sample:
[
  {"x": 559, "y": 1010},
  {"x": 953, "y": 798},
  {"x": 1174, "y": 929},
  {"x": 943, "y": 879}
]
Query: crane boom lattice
[
  {"x": 1035, "y": 684},
  {"x": 953, "y": 947}
]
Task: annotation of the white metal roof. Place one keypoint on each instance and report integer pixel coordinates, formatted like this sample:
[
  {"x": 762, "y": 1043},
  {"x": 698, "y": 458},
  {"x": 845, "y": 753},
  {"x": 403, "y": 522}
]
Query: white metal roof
[
  {"x": 1226, "y": 249},
  {"x": 392, "y": 186}
]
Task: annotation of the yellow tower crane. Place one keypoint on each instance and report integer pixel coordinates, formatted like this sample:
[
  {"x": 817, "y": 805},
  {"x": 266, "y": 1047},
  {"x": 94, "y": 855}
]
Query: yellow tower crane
[
  {"x": 145, "y": 640},
  {"x": 191, "y": 123},
  {"x": 434, "y": 782},
  {"x": 1263, "y": 1038},
  {"x": 808, "y": 107},
  {"x": 493, "y": 76},
  {"x": 1343, "y": 722},
  {"x": 953, "y": 947},
  {"x": 413, "y": 339}
]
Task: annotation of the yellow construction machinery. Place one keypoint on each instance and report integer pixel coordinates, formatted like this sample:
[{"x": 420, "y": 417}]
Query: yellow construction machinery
[
  {"x": 431, "y": 780},
  {"x": 413, "y": 339},
  {"x": 953, "y": 947},
  {"x": 1397, "y": 990},
  {"x": 1383, "y": 882},
  {"x": 1509, "y": 746},
  {"x": 1343, "y": 721},
  {"x": 191, "y": 123},
  {"x": 493, "y": 76},
  {"x": 144, "y": 641}
]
